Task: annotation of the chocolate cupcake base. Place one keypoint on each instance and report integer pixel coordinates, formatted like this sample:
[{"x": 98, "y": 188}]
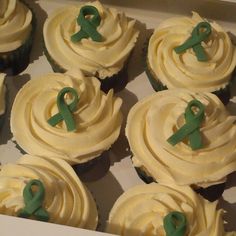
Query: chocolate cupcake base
[
  {"x": 84, "y": 167},
  {"x": 116, "y": 82},
  {"x": 143, "y": 176},
  {"x": 78, "y": 168},
  {"x": 94, "y": 169},
  {"x": 211, "y": 193}
]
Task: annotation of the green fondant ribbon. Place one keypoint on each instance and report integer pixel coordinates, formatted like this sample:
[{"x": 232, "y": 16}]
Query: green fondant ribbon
[
  {"x": 88, "y": 25},
  {"x": 192, "y": 126},
  {"x": 200, "y": 33},
  {"x": 175, "y": 224},
  {"x": 65, "y": 110},
  {"x": 34, "y": 201}
]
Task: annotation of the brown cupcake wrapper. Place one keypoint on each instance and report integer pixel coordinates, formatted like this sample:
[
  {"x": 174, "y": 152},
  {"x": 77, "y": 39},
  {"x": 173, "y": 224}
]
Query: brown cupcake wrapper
[
  {"x": 211, "y": 193},
  {"x": 85, "y": 167},
  {"x": 117, "y": 81},
  {"x": 78, "y": 168},
  {"x": 22, "y": 151},
  {"x": 143, "y": 176},
  {"x": 156, "y": 84},
  {"x": 16, "y": 61},
  {"x": 3, "y": 116},
  {"x": 55, "y": 66}
]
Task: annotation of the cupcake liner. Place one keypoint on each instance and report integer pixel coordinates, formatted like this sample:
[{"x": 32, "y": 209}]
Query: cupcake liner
[
  {"x": 223, "y": 94},
  {"x": 119, "y": 80},
  {"x": 94, "y": 169},
  {"x": 19, "y": 148},
  {"x": 3, "y": 116},
  {"x": 116, "y": 82},
  {"x": 85, "y": 167},
  {"x": 16, "y": 61},
  {"x": 211, "y": 193},
  {"x": 80, "y": 169},
  {"x": 143, "y": 176},
  {"x": 156, "y": 84},
  {"x": 55, "y": 66}
]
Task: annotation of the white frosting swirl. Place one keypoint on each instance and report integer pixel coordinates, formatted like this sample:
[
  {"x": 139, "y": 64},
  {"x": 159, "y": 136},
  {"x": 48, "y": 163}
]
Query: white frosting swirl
[
  {"x": 15, "y": 24},
  {"x": 98, "y": 118},
  {"x": 184, "y": 70},
  {"x": 66, "y": 199},
  {"x": 102, "y": 59},
  {"x": 141, "y": 210},
  {"x": 153, "y": 120},
  {"x": 2, "y": 94}
]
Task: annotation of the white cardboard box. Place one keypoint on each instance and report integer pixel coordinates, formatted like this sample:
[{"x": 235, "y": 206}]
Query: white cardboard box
[{"x": 107, "y": 185}]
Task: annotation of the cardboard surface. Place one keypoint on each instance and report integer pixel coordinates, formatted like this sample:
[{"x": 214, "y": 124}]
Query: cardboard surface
[
  {"x": 115, "y": 174},
  {"x": 29, "y": 227}
]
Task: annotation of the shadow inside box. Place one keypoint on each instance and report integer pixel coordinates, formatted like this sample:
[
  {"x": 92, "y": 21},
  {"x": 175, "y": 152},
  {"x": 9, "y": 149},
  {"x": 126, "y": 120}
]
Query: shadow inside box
[
  {"x": 13, "y": 84},
  {"x": 41, "y": 16},
  {"x": 229, "y": 214},
  {"x": 105, "y": 192},
  {"x": 228, "y": 203},
  {"x": 231, "y": 180},
  {"x": 120, "y": 149},
  {"x": 232, "y": 37},
  {"x": 232, "y": 103},
  {"x": 136, "y": 63},
  {"x": 231, "y": 106}
]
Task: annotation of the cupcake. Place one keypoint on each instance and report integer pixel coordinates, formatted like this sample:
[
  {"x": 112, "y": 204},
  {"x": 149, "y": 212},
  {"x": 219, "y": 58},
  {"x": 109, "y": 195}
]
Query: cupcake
[
  {"x": 2, "y": 98},
  {"x": 46, "y": 190},
  {"x": 96, "y": 39},
  {"x": 65, "y": 116},
  {"x": 191, "y": 53},
  {"x": 183, "y": 137},
  {"x": 154, "y": 209},
  {"x": 17, "y": 26}
]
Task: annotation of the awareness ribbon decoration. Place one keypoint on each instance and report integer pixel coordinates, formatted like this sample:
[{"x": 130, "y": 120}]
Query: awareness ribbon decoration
[
  {"x": 200, "y": 33},
  {"x": 65, "y": 110},
  {"x": 192, "y": 126},
  {"x": 88, "y": 25},
  {"x": 34, "y": 201},
  {"x": 175, "y": 224}
]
